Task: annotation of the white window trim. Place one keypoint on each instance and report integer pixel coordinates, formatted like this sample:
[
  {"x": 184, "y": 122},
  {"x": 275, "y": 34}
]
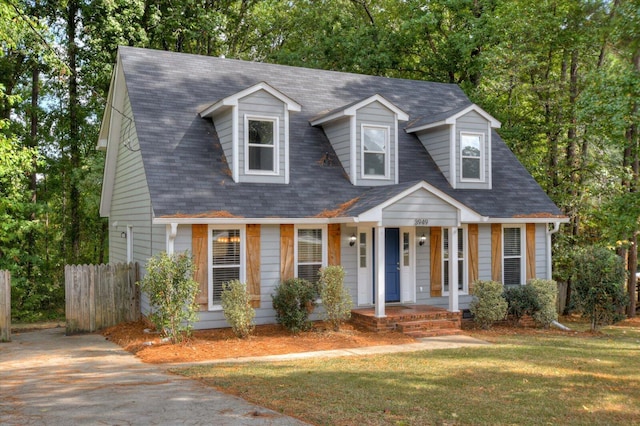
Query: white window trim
[
  {"x": 243, "y": 264},
  {"x": 276, "y": 145},
  {"x": 465, "y": 262},
  {"x": 324, "y": 245},
  {"x": 523, "y": 252},
  {"x": 387, "y": 144},
  {"x": 481, "y": 159}
]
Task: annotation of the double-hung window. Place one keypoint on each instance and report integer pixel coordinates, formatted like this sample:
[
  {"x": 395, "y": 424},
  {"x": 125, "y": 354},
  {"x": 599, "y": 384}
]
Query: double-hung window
[
  {"x": 310, "y": 256},
  {"x": 471, "y": 156},
  {"x": 261, "y": 136},
  {"x": 513, "y": 258},
  {"x": 375, "y": 151},
  {"x": 461, "y": 261},
  {"x": 226, "y": 260}
]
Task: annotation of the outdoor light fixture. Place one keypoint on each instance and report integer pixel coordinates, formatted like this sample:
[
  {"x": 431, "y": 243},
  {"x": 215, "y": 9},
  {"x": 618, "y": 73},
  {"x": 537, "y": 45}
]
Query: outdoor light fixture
[
  {"x": 123, "y": 234},
  {"x": 352, "y": 240},
  {"x": 423, "y": 239}
]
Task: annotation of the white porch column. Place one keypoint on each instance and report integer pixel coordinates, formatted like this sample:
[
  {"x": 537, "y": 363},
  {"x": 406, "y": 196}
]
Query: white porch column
[
  {"x": 453, "y": 269},
  {"x": 172, "y": 231},
  {"x": 380, "y": 272}
]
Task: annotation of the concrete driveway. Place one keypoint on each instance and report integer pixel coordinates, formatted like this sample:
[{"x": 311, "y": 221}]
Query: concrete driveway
[{"x": 47, "y": 378}]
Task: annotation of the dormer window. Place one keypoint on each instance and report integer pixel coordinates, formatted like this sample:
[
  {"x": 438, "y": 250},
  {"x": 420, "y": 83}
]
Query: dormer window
[
  {"x": 375, "y": 145},
  {"x": 471, "y": 156},
  {"x": 261, "y": 141}
]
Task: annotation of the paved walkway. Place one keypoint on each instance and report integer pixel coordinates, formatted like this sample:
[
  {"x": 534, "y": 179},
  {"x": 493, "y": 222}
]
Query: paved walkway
[{"x": 47, "y": 378}]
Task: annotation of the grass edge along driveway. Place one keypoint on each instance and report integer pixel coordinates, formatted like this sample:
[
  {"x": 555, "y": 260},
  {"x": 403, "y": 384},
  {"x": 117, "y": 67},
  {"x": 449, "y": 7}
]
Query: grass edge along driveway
[{"x": 546, "y": 378}]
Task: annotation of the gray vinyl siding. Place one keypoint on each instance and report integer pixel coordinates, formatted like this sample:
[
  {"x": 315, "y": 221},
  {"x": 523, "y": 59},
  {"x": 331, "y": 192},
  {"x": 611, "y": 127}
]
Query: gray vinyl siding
[
  {"x": 423, "y": 267},
  {"x": 349, "y": 262},
  {"x": 541, "y": 251},
  {"x": 421, "y": 204},
  {"x": 339, "y": 134},
  {"x": 437, "y": 143},
  {"x": 474, "y": 123},
  {"x": 484, "y": 252},
  {"x": 223, "y": 123},
  {"x": 131, "y": 205},
  {"x": 376, "y": 114},
  {"x": 261, "y": 104}
]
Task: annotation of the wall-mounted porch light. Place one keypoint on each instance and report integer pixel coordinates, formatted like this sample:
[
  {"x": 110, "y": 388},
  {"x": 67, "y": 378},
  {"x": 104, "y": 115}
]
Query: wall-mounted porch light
[
  {"x": 422, "y": 240},
  {"x": 352, "y": 240}
]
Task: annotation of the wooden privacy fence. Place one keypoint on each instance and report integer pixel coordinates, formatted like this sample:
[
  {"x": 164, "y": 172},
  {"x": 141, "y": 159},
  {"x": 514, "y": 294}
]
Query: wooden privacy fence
[
  {"x": 5, "y": 306},
  {"x": 99, "y": 296}
]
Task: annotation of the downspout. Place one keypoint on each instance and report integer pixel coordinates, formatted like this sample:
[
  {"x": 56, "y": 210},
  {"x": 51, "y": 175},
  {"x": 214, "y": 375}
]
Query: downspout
[{"x": 550, "y": 232}]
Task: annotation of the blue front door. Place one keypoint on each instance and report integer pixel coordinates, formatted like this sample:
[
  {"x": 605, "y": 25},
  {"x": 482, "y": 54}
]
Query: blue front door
[{"x": 392, "y": 265}]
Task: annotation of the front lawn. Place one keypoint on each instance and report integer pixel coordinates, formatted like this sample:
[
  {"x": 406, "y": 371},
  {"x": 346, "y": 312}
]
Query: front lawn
[{"x": 524, "y": 378}]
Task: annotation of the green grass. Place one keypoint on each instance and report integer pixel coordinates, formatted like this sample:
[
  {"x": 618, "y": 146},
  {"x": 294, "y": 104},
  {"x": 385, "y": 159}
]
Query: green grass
[{"x": 521, "y": 379}]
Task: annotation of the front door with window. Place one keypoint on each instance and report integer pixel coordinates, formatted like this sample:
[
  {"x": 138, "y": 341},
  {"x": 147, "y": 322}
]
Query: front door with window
[{"x": 392, "y": 265}]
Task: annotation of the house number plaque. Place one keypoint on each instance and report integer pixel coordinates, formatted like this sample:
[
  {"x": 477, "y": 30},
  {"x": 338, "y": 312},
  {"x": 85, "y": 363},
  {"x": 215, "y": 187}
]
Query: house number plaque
[{"x": 421, "y": 222}]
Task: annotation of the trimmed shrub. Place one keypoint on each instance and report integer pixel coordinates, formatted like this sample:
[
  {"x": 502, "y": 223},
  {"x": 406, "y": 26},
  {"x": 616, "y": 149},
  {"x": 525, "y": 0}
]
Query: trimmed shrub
[
  {"x": 172, "y": 293},
  {"x": 293, "y": 301},
  {"x": 599, "y": 286},
  {"x": 236, "y": 304},
  {"x": 521, "y": 301},
  {"x": 488, "y": 305},
  {"x": 545, "y": 294},
  {"x": 335, "y": 297}
]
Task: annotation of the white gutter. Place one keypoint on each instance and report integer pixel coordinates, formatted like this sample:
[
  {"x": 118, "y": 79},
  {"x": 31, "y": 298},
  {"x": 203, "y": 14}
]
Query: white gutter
[{"x": 246, "y": 221}]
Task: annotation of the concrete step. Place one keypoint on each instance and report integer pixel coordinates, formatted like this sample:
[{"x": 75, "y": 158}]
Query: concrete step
[
  {"x": 424, "y": 325},
  {"x": 433, "y": 333}
]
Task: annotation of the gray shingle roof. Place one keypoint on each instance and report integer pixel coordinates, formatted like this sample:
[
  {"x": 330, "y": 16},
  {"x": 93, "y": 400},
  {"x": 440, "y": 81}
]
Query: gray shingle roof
[{"x": 184, "y": 162}]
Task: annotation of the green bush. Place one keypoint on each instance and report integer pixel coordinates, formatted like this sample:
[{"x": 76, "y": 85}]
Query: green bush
[
  {"x": 293, "y": 301},
  {"x": 236, "y": 304},
  {"x": 488, "y": 305},
  {"x": 599, "y": 285},
  {"x": 336, "y": 300},
  {"x": 545, "y": 294},
  {"x": 521, "y": 301},
  {"x": 172, "y": 294}
]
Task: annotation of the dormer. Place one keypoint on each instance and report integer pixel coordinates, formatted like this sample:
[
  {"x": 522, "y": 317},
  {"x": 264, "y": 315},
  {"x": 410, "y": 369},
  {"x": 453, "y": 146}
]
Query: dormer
[
  {"x": 253, "y": 128},
  {"x": 364, "y": 135},
  {"x": 459, "y": 141}
]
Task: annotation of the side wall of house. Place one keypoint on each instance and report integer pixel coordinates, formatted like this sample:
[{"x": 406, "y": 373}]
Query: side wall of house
[
  {"x": 339, "y": 135},
  {"x": 131, "y": 211},
  {"x": 437, "y": 143}
]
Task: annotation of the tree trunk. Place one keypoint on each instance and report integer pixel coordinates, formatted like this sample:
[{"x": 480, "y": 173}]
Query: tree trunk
[{"x": 74, "y": 133}]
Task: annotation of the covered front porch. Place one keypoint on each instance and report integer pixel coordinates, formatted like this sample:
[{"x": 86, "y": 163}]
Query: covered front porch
[{"x": 413, "y": 320}]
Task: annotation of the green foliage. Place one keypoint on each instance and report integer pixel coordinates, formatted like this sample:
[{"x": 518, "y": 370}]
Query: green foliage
[
  {"x": 521, "y": 301},
  {"x": 172, "y": 294},
  {"x": 236, "y": 303},
  {"x": 488, "y": 305},
  {"x": 545, "y": 295},
  {"x": 335, "y": 297},
  {"x": 293, "y": 301},
  {"x": 599, "y": 285}
]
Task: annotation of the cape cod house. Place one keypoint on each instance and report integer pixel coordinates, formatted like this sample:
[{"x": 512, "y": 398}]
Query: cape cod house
[{"x": 266, "y": 172}]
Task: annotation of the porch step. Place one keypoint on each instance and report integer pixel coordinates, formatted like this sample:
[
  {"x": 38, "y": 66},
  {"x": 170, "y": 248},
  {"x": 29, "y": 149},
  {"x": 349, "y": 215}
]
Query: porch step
[
  {"x": 415, "y": 321},
  {"x": 433, "y": 333}
]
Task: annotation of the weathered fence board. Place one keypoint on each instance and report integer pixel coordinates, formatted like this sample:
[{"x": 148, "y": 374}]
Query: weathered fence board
[
  {"x": 99, "y": 296},
  {"x": 5, "y": 306},
  {"x": 562, "y": 297}
]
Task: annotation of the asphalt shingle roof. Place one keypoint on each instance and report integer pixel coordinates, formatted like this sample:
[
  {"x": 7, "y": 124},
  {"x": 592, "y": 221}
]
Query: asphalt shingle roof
[{"x": 188, "y": 175}]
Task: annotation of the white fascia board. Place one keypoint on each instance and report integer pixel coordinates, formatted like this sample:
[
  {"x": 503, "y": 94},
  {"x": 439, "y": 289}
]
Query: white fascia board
[
  {"x": 426, "y": 126},
  {"x": 465, "y": 213},
  {"x": 232, "y": 100},
  {"x": 520, "y": 220},
  {"x": 103, "y": 136},
  {"x": 111, "y": 125},
  {"x": 254, "y": 221}
]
